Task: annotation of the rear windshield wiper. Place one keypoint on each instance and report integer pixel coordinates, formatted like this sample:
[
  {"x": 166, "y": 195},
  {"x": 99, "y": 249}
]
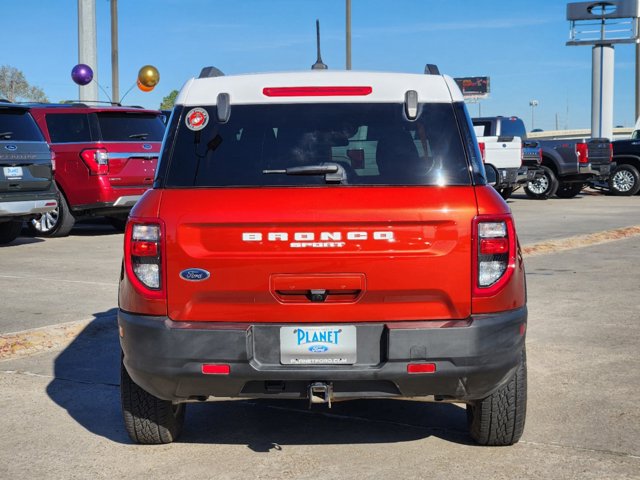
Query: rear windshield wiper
[
  {"x": 305, "y": 170},
  {"x": 6, "y": 134},
  {"x": 139, "y": 135}
]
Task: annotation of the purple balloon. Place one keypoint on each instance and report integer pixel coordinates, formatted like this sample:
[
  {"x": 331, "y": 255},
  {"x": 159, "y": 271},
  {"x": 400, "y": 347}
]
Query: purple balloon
[{"x": 82, "y": 74}]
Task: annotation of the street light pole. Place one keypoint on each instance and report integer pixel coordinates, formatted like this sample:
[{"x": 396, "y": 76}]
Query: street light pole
[
  {"x": 348, "y": 34},
  {"x": 115, "y": 84},
  {"x": 533, "y": 104}
]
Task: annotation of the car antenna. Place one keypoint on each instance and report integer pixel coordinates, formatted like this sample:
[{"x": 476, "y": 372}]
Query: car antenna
[{"x": 318, "y": 65}]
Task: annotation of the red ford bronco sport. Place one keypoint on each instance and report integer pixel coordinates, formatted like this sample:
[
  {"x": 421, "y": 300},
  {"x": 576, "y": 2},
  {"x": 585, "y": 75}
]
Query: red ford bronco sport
[{"x": 322, "y": 235}]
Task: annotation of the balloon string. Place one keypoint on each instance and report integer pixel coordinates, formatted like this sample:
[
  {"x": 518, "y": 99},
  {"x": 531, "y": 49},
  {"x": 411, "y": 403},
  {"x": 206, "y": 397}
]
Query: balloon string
[
  {"x": 103, "y": 91},
  {"x": 127, "y": 92}
]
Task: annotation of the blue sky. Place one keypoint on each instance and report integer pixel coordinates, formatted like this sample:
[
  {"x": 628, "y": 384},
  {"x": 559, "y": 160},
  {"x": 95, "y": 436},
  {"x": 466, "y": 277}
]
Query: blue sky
[{"x": 520, "y": 44}]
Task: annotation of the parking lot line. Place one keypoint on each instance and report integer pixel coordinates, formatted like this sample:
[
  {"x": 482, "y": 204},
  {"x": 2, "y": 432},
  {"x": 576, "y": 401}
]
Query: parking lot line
[{"x": 59, "y": 280}]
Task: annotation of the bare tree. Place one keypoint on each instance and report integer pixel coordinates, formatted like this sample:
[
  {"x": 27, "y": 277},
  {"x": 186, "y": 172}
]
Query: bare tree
[{"x": 14, "y": 87}]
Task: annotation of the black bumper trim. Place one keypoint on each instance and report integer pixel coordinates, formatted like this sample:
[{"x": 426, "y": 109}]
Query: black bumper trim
[{"x": 165, "y": 358}]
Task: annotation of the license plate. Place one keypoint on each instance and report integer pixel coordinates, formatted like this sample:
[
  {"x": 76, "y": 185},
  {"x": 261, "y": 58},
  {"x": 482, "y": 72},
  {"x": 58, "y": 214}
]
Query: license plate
[
  {"x": 318, "y": 345},
  {"x": 13, "y": 172}
]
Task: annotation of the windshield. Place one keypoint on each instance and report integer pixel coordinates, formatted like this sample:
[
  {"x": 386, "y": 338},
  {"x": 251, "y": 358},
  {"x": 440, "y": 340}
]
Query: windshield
[
  {"x": 17, "y": 125},
  {"x": 319, "y": 144},
  {"x": 130, "y": 127}
]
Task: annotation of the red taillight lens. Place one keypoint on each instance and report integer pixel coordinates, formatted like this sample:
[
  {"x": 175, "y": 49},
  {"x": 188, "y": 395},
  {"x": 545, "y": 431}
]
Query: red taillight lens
[
  {"x": 316, "y": 91},
  {"x": 482, "y": 155},
  {"x": 495, "y": 253},
  {"x": 582, "y": 152},
  {"x": 610, "y": 152},
  {"x": 97, "y": 160},
  {"x": 144, "y": 258}
]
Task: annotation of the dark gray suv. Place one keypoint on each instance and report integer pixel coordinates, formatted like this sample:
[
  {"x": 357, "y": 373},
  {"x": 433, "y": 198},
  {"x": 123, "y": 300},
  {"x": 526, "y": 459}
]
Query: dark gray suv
[{"x": 26, "y": 172}]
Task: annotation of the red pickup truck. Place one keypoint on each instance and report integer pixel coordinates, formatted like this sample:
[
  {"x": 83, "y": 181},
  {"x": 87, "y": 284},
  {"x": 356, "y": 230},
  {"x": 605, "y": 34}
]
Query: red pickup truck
[
  {"x": 105, "y": 159},
  {"x": 322, "y": 236}
]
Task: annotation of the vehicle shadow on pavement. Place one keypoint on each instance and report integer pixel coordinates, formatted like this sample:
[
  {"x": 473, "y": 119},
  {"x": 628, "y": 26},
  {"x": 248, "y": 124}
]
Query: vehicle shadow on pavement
[
  {"x": 22, "y": 241},
  {"x": 86, "y": 384}
]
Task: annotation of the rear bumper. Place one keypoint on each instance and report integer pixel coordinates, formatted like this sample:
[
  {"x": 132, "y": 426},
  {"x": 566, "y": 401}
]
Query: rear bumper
[
  {"x": 165, "y": 358},
  {"x": 28, "y": 207},
  {"x": 508, "y": 177},
  {"x": 526, "y": 174},
  {"x": 120, "y": 205}
]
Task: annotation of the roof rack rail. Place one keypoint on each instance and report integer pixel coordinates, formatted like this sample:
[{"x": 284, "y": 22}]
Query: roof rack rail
[
  {"x": 431, "y": 69},
  {"x": 209, "y": 72},
  {"x": 83, "y": 103}
]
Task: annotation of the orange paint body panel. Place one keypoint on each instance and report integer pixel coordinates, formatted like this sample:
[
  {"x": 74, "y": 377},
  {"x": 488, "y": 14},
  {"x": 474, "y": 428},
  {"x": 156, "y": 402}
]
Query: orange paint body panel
[{"x": 408, "y": 260}]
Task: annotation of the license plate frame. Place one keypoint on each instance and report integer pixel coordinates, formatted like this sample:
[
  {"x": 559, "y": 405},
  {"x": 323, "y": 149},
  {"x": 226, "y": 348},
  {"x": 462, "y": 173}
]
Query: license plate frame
[
  {"x": 13, "y": 173},
  {"x": 318, "y": 345}
]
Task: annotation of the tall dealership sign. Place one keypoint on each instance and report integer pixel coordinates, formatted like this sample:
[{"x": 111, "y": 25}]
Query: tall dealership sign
[
  {"x": 602, "y": 25},
  {"x": 474, "y": 87}
]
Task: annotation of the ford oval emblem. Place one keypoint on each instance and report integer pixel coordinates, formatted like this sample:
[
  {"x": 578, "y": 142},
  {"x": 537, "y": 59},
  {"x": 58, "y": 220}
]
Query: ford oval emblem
[
  {"x": 11, "y": 148},
  {"x": 194, "y": 274},
  {"x": 318, "y": 348},
  {"x": 146, "y": 146}
]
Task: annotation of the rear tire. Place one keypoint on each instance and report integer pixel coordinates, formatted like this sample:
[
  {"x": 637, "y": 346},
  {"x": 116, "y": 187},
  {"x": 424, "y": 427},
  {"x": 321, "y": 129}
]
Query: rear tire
[
  {"x": 57, "y": 223},
  {"x": 624, "y": 180},
  {"x": 543, "y": 186},
  {"x": 9, "y": 231},
  {"x": 148, "y": 419},
  {"x": 569, "y": 190},
  {"x": 498, "y": 419}
]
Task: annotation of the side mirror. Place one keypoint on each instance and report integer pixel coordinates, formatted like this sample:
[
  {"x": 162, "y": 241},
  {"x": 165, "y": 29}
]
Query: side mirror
[{"x": 492, "y": 174}]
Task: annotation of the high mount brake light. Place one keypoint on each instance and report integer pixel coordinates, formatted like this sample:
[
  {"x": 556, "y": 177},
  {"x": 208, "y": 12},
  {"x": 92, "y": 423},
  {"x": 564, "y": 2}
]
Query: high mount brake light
[
  {"x": 97, "y": 160},
  {"x": 582, "y": 152},
  {"x": 316, "y": 91},
  {"x": 495, "y": 253},
  {"x": 144, "y": 260}
]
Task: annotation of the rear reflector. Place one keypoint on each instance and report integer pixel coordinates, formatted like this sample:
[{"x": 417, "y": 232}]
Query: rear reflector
[
  {"x": 421, "y": 368},
  {"x": 316, "y": 91},
  {"x": 144, "y": 249},
  {"x": 215, "y": 369}
]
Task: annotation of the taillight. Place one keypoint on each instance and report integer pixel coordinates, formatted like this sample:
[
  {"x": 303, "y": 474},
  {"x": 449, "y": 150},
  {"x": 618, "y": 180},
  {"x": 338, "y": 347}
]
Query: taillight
[
  {"x": 610, "y": 152},
  {"x": 521, "y": 154},
  {"x": 481, "y": 145},
  {"x": 582, "y": 152},
  {"x": 97, "y": 160},
  {"x": 540, "y": 156},
  {"x": 143, "y": 255},
  {"x": 53, "y": 161},
  {"x": 495, "y": 253}
]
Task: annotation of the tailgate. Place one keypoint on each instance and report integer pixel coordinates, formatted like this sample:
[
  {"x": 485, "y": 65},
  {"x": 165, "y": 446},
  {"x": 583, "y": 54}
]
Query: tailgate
[
  {"x": 25, "y": 167},
  {"x": 133, "y": 164},
  {"x": 502, "y": 153},
  {"x": 599, "y": 151},
  {"x": 319, "y": 255}
]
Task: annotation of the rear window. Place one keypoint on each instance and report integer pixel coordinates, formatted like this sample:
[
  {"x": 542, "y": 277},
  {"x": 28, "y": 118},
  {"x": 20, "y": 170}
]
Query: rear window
[
  {"x": 320, "y": 144},
  {"x": 482, "y": 128},
  {"x": 130, "y": 127},
  {"x": 69, "y": 128},
  {"x": 17, "y": 125},
  {"x": 512, "y": 127}
]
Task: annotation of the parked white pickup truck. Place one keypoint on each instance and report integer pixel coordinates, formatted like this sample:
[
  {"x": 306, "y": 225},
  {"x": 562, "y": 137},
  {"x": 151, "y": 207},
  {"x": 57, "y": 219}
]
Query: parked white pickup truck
[{"x": 504, "y": 153}]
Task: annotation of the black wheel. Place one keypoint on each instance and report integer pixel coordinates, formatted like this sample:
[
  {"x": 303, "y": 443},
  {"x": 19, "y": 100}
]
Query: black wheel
[
  {"x": 569, "y": 190},
  {"x": 57, "y": 223},
  {"x": 543, "y": 186},
  {"x": 9, "y": 231},
  {"x": 148, "y": 419},
  {"x": 498, "y": 420},
  {"x": 505, "y": 192},
  {"x": 624, "y": 180},
  {"x": 119, "y": 223}
]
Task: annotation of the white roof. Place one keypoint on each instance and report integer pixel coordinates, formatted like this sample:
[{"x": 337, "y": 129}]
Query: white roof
[{"x": 385, "y": 87}]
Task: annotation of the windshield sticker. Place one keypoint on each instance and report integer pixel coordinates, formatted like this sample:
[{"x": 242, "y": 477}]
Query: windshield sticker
[{"x": 197, "y": 119}]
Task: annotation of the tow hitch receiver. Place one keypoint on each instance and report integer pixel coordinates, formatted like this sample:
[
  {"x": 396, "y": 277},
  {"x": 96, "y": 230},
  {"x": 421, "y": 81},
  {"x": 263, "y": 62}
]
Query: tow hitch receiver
[{"x": 320, "y": 392}]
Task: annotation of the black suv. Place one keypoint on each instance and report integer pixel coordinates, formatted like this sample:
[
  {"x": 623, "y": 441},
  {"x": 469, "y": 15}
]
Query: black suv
[{"x": 26, "y": 172}]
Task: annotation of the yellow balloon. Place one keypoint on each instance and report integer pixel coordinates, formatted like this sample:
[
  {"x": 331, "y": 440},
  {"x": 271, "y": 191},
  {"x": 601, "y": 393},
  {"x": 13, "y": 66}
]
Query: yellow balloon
[{"x": 149, "y": 76}]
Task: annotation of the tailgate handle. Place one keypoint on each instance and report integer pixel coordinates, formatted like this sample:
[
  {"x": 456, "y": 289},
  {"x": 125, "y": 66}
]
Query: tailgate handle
[{"x": 317, "y": 288}]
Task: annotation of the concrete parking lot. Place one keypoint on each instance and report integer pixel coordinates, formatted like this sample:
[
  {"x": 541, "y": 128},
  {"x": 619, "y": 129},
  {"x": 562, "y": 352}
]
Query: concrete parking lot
[{"x": 60, "y": 395}]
